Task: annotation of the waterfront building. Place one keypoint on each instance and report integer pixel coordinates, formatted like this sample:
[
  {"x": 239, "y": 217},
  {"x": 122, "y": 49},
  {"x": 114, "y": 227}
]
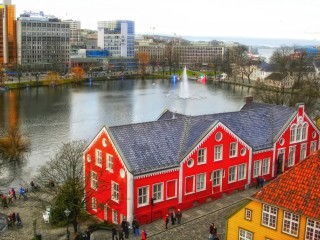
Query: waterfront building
[
  {"x": 75, "y": 34},
  {"x": 8, "y": 36},
  {"x": 117, "y": 37},
  {"x": 43, "y": 42},
  {"x": 177, "y": 161},
  {"x": 287, "y": 208}
]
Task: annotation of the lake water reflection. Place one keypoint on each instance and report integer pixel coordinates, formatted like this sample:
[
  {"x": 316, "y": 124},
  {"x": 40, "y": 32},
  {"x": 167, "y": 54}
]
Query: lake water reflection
[{"x": 52, "y": 115}]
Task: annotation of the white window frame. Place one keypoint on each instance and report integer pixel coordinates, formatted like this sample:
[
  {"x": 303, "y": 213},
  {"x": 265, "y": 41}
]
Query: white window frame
[
  {"x": 303, "y": 151},
  {"x": 313, "y": 146},
  {"x": 193, "y": 185},
  {"x": 175, "y": 189},
  {"x": 98, "y": 155},
  {"x": 157, "y": 194},
  {"x": 115, "y": 191},
  {"x": 304, "y": 131},
  {"x": 265, "y": 169},
  {"x": 94, "y": 204},
  {"x": 218, "y": 150},
  {"x": 312, "y": 228},
  {"x": 290, "y": 221},
  {"x": 234, "y": 179},
  {"x": 248, "y": 214},
  {"x": 94, "y": 180},
  {"x": 217, "y": 179},
  {"x": 292, "y": 156},
  {"x": 299, "y": 132},
  {"x": 143, "y": 195},
  {"x": 109, "y": 162},
  {"x": 201, "y": 182},
  {"x": 245, "y": 235},
  {"x": 255, "y": 174},
  {"x": 269, "y": 215},
  {"x": 293, "y": 133},
  {"x": 233, "y": 149},
  {"x": 242, "y": 171},
  {"x": 115, "y": 216},
  {"x": 202, "y": 158}
]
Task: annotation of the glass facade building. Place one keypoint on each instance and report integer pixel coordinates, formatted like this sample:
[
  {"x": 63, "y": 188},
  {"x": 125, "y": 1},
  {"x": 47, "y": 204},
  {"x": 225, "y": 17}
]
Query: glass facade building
[{"x": 117, "y": 37}]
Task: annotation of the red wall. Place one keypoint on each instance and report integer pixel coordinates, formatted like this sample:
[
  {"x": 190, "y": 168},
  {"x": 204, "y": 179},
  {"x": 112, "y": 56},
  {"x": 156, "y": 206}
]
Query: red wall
[
  {"x": 103, "y": 193},
  {"x": 158, "y": 209}
]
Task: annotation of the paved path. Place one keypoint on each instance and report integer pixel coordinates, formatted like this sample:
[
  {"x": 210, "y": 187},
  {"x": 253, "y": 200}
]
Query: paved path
[{"x": 195, "y": 221}]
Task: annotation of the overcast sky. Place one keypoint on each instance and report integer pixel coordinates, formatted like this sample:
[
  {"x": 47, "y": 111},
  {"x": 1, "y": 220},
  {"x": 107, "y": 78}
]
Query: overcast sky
[{"x": 298, "y": 19}]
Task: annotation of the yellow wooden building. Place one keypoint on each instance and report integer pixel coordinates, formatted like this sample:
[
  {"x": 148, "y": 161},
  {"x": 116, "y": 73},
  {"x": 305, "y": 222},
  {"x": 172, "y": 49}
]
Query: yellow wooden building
[{"x": 287, "y": 208}]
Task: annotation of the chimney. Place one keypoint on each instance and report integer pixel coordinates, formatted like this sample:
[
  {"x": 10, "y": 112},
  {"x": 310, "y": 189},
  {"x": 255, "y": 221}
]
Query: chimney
[{"x": 248, "y": 99}]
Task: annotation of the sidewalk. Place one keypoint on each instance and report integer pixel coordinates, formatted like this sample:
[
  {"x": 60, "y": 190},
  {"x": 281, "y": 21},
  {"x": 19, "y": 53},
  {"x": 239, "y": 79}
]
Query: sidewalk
[{"x": 195, "y": 221}]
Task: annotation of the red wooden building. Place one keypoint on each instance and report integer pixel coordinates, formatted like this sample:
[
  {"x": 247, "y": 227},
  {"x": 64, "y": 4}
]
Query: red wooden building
[{"x": 147, "y": 169}]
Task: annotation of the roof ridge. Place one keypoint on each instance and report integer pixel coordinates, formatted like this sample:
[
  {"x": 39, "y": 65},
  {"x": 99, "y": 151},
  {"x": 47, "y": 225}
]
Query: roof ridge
[{"x": 184, "y": 139}]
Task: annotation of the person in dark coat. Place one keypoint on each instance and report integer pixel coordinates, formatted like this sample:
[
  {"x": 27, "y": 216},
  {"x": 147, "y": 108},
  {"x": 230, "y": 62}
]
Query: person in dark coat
[
  {"x": 135, "y": 226},
  {"x": 125, "y": 227},
  {"x": 173, "y": 217},
  {"x": 121, "y": 235},
  {"x": 166, "y": 221},
  {"x": 114, "y": 234},
  {"x": 179, "y": 216}
]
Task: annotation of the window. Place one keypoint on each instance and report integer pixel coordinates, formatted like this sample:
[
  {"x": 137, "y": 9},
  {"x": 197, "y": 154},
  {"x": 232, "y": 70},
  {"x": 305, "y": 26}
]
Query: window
[
  {"x": 265, "y": 166},
  {"x": 233, "y": 149},
  {"x": 232, "y": 174},
  {"x": 313, "y": 230},
  {"x": 143, "y": 196},
  {"x": 109, "y": 162},
  {"x": 94, "y": 203},
  {"x": 298, "y": 135},
  {"x": 115, "y": 192},
  {"x": 269, "y": 216},
  {"x": 218, "y": 136},
  {"x": 304, "y": 131},
  {"x": 216, "y": 178},
  {"x": 94, "y": 180},
  {"x": 189, "y": 185},
  {"x": 257, "y": 168},
  {"x": 245, "y": 235},
  {"x": 157, "y": 192},
  {"x": 218, "y": 153},
  {"x": 241, "y": 172},
  {"x": 98, "y": 158},
  {"x": 201, "y": 182},
  {"x": 248, "y": 214},
  {"x": 171, "y": 189},
  {"x": 292, "y": 153},
  {"x": 293, "y": 133},
  {"x": 303, "y": 152},
  {"x": 243, "y": 151},
  {"x": 190, "y": 163},
  {"x": 202, "y": 156},
  {"x": 290, "y": 223},
  {"x": 313, "y": 146},
  {"x": 115, "y": 216}
]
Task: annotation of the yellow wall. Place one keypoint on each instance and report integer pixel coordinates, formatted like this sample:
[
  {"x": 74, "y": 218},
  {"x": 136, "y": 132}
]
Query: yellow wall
[{"x": 260, "y": 232}]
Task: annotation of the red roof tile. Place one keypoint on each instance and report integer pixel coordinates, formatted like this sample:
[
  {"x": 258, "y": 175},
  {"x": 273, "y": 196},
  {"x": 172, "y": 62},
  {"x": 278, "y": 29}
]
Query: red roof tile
[{"x": 297, "y": 190}]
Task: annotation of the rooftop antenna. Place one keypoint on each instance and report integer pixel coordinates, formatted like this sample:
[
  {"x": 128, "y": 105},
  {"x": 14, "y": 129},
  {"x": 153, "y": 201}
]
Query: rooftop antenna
[{"x": 153, "y": 28}]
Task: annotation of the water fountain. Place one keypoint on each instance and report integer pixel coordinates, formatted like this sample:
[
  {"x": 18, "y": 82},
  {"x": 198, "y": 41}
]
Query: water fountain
[{"x": 184, "y": 89}]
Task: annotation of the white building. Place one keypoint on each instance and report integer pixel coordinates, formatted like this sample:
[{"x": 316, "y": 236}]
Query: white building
[{"x": 117, "y": 37}]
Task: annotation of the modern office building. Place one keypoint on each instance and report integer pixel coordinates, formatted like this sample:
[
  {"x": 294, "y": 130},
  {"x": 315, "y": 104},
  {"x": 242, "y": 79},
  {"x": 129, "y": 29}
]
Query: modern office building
[
  {"x": 75, "y": 33},
  {"x": 43, "y": 42},
  {"x": 8, "y": 37},
  {"x": 117, "y": 37}
]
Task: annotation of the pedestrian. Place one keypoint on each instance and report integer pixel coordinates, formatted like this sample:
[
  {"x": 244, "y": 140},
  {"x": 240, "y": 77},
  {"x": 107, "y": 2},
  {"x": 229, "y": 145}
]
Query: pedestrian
[
  {"x": 10, "y": 198},
  {"x": 173, "y": 217},
  {"x": 114, "y": 233},
  {"x": 125, "y": 227},
  {"x": 4, "y": 201},
  {"x": 179, "y": 216},
  {"x": 18, "y": 220},
  {"x": 135, "y": 226},
  {"x": 121, "y": 235},
  {"x": 143, "y": 235},
  {"x": 22, "y": 192},
  {"x": 166, "y": 220},
  {"x": 13, "y": 216},
  {"x": 14, "y": 193},
  {"x": 258, "y": 182}
]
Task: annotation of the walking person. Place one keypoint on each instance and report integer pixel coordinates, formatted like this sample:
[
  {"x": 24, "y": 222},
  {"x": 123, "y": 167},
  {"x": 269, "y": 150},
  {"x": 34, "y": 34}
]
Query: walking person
[
  {"x": 13, "y": 192},
  {"x": 179, "y": 216},
  {"x": 121, "y": 234},
  {"x": 125, "y": 227},
  {"x": 114, "y": 233},
  {"x": 143, "y": 235},
  {"x": 166, "y": 220},
  {"x": 18, "y": 220},
  {"x": 4, "y": 201},
  {"x": 173, "y": 217},
  {"x": 135, "y": 226}
]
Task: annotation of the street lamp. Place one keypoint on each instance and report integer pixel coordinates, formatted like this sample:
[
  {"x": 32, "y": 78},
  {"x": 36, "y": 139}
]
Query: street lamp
[{"x": 67, "y": 213}]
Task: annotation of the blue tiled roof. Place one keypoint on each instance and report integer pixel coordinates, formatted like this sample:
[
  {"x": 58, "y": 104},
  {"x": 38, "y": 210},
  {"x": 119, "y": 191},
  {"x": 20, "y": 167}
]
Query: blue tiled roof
[{"x": 161, "y": 144}]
